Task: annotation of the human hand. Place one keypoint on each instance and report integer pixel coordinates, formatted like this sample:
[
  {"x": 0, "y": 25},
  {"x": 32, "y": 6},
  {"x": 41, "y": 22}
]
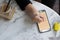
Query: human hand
[
  {"x": 33, "y": 13},
  {"x": 38, "y": 18}
]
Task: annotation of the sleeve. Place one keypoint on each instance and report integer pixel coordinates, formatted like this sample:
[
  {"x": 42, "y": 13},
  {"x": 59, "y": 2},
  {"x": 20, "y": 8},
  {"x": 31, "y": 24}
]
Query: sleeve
[{"x": 23, "y": 3}]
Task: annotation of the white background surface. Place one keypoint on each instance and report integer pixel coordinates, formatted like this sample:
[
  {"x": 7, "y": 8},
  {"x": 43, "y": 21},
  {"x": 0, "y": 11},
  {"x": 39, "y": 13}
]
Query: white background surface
[{"x": 20, "y": 27}]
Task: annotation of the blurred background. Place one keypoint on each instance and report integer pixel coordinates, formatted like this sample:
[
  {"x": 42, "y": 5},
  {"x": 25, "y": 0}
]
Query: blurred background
[{"x": 54, "y": 4}]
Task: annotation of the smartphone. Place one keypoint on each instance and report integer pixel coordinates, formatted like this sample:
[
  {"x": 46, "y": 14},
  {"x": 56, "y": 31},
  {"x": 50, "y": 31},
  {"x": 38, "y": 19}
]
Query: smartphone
[{"x": 44, "y": 26}]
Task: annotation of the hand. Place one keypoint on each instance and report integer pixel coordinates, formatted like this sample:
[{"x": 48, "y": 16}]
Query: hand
[
  {"x": 33, "y": 13},
  {"x": 38, "y": 18}
]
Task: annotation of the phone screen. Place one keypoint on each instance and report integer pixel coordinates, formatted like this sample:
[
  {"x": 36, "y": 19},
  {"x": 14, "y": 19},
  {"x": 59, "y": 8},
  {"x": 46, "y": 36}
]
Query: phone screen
[{"x": 44, "y": 26}]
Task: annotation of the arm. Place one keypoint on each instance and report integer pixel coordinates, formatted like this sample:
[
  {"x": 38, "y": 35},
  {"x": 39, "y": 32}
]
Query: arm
[
  {"x": 33, "y": 13},
  {"x": 29, "y": 8}
]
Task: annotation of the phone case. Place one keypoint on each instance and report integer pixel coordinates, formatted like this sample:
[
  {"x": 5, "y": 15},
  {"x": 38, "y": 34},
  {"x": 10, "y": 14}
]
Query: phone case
[{"x": 45, "y": 25}]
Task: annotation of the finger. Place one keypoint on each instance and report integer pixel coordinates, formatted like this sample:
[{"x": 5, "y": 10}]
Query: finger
[
  {"x": 38, "y": 19},
  {"x": 42, "y": 18}
]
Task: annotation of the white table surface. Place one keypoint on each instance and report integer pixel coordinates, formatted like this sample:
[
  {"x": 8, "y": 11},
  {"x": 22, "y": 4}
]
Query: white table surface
[{"x": 21, "y": 27}]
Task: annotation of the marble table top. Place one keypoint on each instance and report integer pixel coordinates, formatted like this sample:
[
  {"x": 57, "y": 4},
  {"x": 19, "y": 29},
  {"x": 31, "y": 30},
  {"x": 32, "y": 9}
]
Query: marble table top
[{"x": 21, "y": 27}]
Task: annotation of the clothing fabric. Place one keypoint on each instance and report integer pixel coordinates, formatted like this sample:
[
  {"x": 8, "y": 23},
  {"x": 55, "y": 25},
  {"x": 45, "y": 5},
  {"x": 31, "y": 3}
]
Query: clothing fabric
[{"x": 23, "y": 3}]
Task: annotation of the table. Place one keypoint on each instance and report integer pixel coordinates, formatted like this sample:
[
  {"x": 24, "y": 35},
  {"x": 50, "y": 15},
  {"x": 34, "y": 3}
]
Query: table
[{"x": 21, "y": 27}]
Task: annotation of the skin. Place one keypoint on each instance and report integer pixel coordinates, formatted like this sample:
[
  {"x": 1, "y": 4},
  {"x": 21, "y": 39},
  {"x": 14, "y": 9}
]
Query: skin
[{"x": 33, "y": 13}]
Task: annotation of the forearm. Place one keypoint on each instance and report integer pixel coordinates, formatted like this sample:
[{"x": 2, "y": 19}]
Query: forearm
[
  {"x": 26, "y": 5},
  {"x": 29, "y": 8},
  {"x": 31, "y": 11}
]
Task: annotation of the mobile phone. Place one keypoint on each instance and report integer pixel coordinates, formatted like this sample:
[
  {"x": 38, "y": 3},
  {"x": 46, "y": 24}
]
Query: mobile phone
[{"x": 45, "y": 25}]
